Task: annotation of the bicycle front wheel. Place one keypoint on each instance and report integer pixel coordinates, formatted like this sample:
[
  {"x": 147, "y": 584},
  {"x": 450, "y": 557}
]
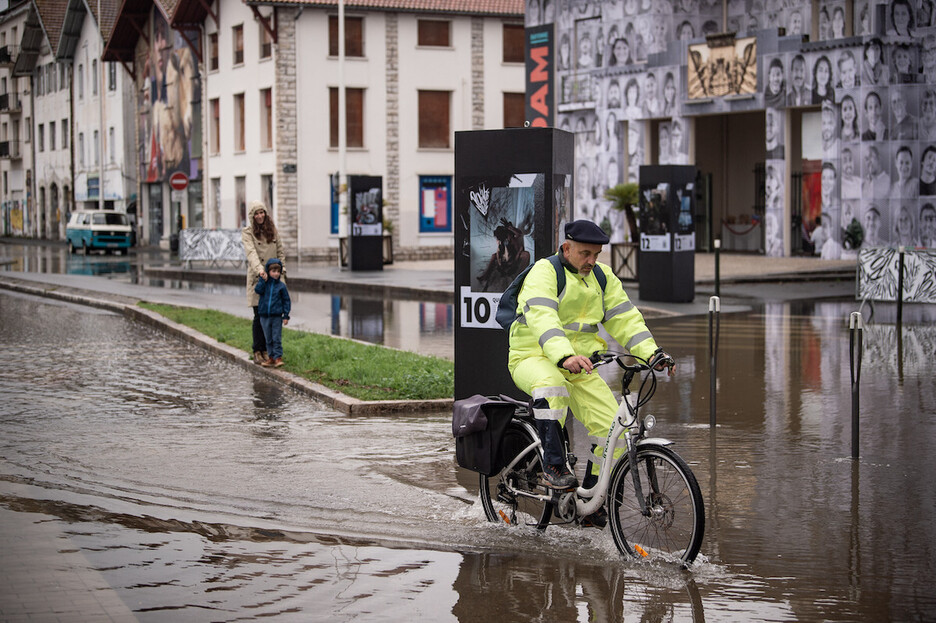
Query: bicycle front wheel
[
  {"x": 501, "y": 504},
  {"x": 674, "y": 527}
]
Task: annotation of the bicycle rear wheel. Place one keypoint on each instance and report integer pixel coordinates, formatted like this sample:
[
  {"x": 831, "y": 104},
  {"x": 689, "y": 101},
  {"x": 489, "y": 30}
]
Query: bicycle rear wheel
[
  {"x": 676, "y": 524},
  {"x": 500, "y": 504}
]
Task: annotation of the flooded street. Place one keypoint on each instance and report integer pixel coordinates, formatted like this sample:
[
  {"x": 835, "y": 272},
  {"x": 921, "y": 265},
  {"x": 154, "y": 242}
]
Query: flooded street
[
  {"x": 196, "y": 491},
  {"x": 426, "y": 327}
]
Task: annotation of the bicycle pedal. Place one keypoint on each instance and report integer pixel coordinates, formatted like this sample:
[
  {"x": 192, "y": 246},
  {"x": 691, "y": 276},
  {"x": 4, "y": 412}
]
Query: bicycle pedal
[{"x": 545, "y": 483}]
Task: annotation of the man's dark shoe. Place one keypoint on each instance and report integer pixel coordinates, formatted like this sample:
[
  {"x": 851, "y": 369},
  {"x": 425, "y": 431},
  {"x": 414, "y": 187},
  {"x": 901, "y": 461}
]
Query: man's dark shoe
[
  {"x": 559, "y": 477},
  {"x": 598, "y": 519}
]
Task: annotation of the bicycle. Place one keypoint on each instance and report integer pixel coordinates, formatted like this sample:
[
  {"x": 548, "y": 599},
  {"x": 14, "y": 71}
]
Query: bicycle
[{"x": 655, "y": 511}]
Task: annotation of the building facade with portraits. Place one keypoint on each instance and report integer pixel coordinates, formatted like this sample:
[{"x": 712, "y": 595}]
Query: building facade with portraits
[{"x": 812, "y": 123}]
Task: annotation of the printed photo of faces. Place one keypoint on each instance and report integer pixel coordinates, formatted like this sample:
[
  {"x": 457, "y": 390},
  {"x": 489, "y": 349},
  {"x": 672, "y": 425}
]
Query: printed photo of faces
[
  {"x": 635, "y": 149},
  {"x": 773, "y": 132},
  {"x": 849, "y": 130},
  {"x": 850, "y": 171}
]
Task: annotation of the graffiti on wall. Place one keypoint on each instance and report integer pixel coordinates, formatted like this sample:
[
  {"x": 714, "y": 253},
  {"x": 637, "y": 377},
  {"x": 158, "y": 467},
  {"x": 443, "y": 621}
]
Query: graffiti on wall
[
  {"x": 170, "y": 123},
  {"x": 878, "y": 272}
]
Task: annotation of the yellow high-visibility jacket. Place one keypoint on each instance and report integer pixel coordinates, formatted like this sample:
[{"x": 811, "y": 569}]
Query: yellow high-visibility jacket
[{"x": 562, "y": 324}]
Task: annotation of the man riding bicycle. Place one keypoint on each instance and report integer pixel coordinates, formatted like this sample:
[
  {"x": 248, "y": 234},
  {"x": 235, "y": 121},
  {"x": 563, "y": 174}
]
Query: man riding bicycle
[{"x": 553, "y": 337}]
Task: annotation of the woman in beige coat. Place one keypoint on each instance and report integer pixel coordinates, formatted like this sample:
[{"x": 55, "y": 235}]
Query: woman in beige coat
[{"x": 261, "y": 242}]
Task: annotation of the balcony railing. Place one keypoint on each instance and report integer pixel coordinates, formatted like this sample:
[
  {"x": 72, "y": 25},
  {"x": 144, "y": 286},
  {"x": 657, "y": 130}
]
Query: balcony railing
[
  {"x": 10, "y": 149},
  {"x": 8, "y": 54},
  {"x": 10, "y": 102}
]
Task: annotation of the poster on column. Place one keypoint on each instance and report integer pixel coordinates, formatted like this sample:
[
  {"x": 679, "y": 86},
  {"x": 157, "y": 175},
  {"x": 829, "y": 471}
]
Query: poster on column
[
  {"x": 501, "y": 235},
  {"x": 512, "y": 194}
]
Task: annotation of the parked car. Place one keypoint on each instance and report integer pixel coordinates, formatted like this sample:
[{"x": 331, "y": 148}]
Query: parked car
[{"x": 94, "y": 229}]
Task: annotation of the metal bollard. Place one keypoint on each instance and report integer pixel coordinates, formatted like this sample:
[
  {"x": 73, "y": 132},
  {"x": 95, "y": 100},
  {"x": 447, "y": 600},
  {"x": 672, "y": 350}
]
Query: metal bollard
[
  {"x": 714, "y": 311},
  {"x": 717, "y": 267},
  {"x": 900, "y": 284},
  {"x": 856, "y": 329}
]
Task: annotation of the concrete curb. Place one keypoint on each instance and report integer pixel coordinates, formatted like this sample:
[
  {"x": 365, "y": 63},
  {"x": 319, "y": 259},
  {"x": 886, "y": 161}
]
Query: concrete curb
[{"x": 129, "y": 308}]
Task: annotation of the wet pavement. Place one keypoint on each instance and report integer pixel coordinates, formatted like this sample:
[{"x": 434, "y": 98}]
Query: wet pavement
[{"x": 156, "y": 482}]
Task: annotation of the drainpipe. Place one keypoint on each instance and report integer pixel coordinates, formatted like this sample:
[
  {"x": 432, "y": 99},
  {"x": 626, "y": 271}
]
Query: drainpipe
[{"x": 100, "y": 81}]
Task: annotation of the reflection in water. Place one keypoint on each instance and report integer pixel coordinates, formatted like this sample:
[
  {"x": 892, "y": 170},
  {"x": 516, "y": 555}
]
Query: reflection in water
[
  {"x": 520, "y": 588},
  {"x": 202, "y": 493},
  {"x": 422, "y": 327}
]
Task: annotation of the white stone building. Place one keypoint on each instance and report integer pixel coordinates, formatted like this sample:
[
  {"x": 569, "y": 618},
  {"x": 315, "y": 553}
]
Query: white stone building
[
  {"x": 267, "y": 84},
  {"x": 51, "y": 120},
  {"x": 16, "y": 193},
  {"x": 105, "y": 164}
]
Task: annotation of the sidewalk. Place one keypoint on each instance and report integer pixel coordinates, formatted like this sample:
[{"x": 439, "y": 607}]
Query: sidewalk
[{"x": 434, "y": 280}]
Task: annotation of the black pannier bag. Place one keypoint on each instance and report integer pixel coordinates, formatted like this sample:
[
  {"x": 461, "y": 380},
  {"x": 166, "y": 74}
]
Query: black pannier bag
[{"x": 478, "y": 424}]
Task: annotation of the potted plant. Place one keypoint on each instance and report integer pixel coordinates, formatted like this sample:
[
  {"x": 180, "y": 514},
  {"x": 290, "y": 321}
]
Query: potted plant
[{"x": 624, "y": 197}]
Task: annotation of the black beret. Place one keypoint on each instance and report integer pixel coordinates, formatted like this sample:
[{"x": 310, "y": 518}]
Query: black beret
[{"x": 585, "y": 231}]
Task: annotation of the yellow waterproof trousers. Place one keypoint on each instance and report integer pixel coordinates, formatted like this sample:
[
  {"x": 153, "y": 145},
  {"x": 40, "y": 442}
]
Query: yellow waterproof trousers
[{"x": 555, "y": 390}]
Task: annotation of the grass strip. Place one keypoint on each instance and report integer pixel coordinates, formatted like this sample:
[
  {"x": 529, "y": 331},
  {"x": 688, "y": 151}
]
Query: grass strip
[{"x": 363, "y": 371}]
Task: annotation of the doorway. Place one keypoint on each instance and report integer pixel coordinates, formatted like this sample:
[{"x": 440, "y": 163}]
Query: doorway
[{"x": 730, "y": 154}]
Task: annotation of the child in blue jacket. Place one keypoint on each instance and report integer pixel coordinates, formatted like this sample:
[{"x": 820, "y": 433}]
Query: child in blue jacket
[{"x": 273, "y": 310}]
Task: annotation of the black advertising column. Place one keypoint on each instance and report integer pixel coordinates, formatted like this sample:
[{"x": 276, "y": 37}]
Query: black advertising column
[
  {"x": 666, "y": 267},
  {"x": 512, "y": 194},
  {"x": 366, "y": 242}
]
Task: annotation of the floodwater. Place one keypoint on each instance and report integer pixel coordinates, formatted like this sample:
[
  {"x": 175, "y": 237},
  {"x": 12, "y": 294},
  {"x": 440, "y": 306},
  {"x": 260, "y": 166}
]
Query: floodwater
[
  {"x": 425, "y": 327},
  {"x": 200, "y": 492}
]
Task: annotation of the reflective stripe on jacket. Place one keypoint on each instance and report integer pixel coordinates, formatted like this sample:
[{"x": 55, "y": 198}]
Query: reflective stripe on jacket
[{"x": 562, "y": 324}]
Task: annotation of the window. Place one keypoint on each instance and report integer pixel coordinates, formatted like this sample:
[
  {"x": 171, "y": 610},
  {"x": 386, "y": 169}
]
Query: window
[
  {"x": 354, "y": 112},
  {"x": 266, "y": 119},
  {"x": 94, "y": 77},
  {"x": 63, "y": 75},
  {"x": 81, "y": 150},
  {"x": 41, "y": 137},
  {"x": 238, "y": 44},
  {"x": 28, "y": 130},
  {"x": 266, "y": 189},
  {"x": 266, "y": 41},
  {"x": 435, "y": 203},
  {"x": 111, "y": 144},
  {"x": 51, "y": 136},
  {"x": 97, "y": 148},
  {"x": 354, "y": 36},
  {"x": 514, "y": 110},
  {"x": 239, "y": 139},
  {"x": 213, "y": 51},
  {"x": 80, "y": 81},
  {"x": 112, "y": 76},
  {"x": 433, "y": 32},
  {"x": 216, "y": 200},
  {"x": 64, "y": 133},
  {"x": 434, "y": 118},
  {"x": 513, "y": 43},
  {"x": 215, "y": 136},
  {"x": 240, "y": 199}
]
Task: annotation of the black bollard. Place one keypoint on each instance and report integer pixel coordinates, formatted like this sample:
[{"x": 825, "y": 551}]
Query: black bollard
[
  {"x": 717, "y": 267},
  {"x": 855, "y": 329},
  {"x": 714, "y": 310},
  {"x": 900, "y": 284}
]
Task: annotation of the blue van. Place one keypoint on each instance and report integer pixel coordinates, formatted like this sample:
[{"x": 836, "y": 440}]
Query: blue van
[{"x": 93, "y": 229}]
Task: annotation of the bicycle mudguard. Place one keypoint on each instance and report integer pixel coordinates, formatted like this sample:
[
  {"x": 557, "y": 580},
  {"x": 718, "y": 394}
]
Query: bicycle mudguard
[{"x": 657, "y": 441}]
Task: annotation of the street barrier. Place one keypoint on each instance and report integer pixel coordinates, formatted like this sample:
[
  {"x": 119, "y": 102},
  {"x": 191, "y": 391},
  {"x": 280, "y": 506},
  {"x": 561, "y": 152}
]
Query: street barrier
[
  {"x": 211, "y": 245},
  {"x": 879, "y": 275}
]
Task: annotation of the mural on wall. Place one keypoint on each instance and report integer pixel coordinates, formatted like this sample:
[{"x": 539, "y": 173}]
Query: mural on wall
[
  {"x": 878, "y": 275},
  {"x": 169, "y": 95},
  {"x": 625, "y": 71},
  {"x": 877, "y": 101}
]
